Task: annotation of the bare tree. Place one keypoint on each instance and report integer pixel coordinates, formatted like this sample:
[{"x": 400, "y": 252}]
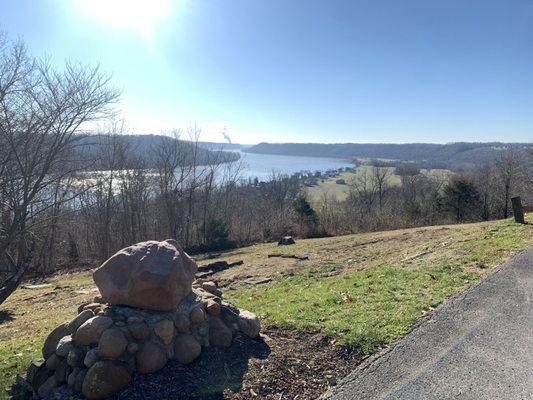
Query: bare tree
[
  {"x": 173, "y": 170},
  {"x": 41, "y": 112},
  {"x": 507, "y": 170},
  {"x": 363, "y": 193},
  {"x": 380, "y": 176}
]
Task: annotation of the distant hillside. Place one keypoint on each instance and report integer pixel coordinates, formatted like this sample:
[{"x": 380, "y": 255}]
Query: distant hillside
[
  {"x": 221, "y": 146},
  {"x": 141, "y": 147},
  {"x": 452, "y": 156}
]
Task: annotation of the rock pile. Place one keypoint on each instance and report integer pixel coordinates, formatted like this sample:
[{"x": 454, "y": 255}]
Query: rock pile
[{"x": 151, "y": 311}]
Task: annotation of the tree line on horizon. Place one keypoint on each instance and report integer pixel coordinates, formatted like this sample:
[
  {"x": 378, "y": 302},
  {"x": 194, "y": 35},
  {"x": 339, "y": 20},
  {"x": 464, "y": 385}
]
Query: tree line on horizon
[
  {"x": 458, "y": 157},
  {"x": 374, "y": 202}
]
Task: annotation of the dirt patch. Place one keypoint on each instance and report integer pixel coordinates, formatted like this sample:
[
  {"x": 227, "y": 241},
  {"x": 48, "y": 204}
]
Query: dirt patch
[{"x": 282, "y": 365}]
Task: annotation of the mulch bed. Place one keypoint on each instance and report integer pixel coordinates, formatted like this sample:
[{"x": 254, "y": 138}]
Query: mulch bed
[{"x": 283, "y": 365}]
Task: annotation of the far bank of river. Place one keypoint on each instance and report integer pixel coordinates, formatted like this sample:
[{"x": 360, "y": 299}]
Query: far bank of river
[{"x": 263, "y": 166}]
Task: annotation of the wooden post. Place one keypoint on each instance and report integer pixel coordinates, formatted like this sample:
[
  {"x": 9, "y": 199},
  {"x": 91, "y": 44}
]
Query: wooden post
[{"x": 518, "y": 211}]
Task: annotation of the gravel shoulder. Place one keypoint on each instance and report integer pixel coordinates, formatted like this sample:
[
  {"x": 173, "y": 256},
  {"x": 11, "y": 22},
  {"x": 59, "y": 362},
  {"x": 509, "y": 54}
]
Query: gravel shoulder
[{"x": 478, "y": 345}]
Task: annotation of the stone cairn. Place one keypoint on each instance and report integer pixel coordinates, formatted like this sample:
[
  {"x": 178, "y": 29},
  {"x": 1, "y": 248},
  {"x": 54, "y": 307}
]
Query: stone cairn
[{"x": 151, "y": 311}]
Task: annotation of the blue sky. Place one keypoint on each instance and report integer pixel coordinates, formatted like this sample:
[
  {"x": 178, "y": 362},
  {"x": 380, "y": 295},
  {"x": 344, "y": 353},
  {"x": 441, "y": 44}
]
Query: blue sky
[{"x": 301, "y": 71}]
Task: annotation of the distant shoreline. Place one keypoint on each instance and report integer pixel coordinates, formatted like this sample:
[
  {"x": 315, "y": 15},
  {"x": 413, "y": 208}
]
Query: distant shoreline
[{"x": 453, "y": 156}]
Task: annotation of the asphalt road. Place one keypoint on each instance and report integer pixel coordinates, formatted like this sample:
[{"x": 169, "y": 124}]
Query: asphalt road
[{"x": 478, "y": 345}]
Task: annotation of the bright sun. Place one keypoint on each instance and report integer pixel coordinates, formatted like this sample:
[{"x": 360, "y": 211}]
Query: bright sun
[{"x": 139, "y": 15}]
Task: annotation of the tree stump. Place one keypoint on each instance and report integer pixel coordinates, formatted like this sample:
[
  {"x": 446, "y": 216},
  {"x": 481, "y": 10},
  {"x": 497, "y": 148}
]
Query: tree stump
[
  {"x": 286, "y": 241},
  {"x": 518, "y": 211}
]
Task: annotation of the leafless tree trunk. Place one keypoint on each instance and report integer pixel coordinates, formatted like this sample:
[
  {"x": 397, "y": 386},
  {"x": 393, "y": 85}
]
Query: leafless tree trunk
[
  {"x": 42, "y": 111},
  {"x": 380, "y": 176},
  {"x": 173, "y": 171},
  {"x": 507, "y": 167}
]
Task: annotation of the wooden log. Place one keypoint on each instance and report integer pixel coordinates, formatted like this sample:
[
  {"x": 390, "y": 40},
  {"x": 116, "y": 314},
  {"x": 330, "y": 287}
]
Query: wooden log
[
  {"x": 518, "y": 211},
  {"x": 218, "y": 266},
  {"x": 289, "y": 256}
]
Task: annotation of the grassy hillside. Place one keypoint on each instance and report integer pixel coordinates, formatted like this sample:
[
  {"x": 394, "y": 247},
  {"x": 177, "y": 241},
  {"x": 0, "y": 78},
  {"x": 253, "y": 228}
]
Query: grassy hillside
[
  {"x": 364, "y": 290},
  {"x": 369, "y": 289},
  {"x": 330, "y": 188}
]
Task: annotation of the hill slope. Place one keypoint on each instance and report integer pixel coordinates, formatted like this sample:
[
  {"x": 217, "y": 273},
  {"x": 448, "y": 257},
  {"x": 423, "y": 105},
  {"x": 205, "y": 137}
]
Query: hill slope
[
  {"x": 362, "y": 291},
  {"x": 143, "y": 147},
  {"x": 452, "y": 155}
]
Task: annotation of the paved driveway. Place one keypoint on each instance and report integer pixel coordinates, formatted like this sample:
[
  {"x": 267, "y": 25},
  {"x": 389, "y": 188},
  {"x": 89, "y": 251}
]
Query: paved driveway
[{"x": 477, "y": 346}]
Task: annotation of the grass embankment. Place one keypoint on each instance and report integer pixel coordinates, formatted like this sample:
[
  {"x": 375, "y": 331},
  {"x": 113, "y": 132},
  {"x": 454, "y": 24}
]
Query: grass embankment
[
  {"x": 370, "y": 289},
  {"x": 365, "y": 289}
]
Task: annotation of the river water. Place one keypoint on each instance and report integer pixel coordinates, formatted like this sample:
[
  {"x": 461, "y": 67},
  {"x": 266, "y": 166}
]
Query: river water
[
  {"x": 262, "y": 166},
  {"x": 252, "y": 165}
]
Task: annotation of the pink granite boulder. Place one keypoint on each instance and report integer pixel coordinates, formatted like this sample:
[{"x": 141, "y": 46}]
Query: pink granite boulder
[{"x": 151, "y": 275}]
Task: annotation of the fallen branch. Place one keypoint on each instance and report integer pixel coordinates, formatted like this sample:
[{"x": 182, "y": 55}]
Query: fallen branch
[
  {"x": 289, "y": 256},
  {"x": 210, "y": 269}
]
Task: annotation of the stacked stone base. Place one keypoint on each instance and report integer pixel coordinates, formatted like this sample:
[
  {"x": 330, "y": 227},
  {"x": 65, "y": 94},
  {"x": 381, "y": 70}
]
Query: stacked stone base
[{"x": 97, "y": 352}]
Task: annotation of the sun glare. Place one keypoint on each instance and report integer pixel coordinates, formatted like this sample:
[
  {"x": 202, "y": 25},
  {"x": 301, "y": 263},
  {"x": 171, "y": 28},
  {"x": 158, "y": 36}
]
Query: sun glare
[{"x": 139, "y": 15}]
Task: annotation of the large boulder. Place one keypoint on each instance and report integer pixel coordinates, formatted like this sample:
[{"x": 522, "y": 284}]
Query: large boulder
[
  {"x": 91, "y": 330},
  {"x": 91, "y": 358},
  {"x": 64, "y": 346},
  {"x": 151, "y": 275},
  {"x": 112, "y": 343},
  {"x": 182, "y": 323},
  {"x": 197, "y": 315},
  {"x": 46, "y": 389},
  {"x": 186, "y": 349},
  {"x": 52, "y": 362},
  {"x": 140, "y": 330},
  {"x": 213, "y": 308},
  {"x": 105, "y": 378},
  {"x": 71, "y": 380},
  {"x": 249, "y": 323},
  {"x": 165, "y": 330},
  {"x": 79, "y": 320},
  {"x": 38, "y": 373},
  {"x": 53, "y": 339},
  {"x": 78, "y": 381},
  {"x": 62, "y": 371},
  {"x": 75, "y": 357},
  {"x": 219, "y": 334},
  {"x": 151, "y": 357}
]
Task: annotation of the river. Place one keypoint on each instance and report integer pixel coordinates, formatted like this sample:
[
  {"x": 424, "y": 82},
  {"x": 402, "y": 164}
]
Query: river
[{"x": 262, "y": 166}]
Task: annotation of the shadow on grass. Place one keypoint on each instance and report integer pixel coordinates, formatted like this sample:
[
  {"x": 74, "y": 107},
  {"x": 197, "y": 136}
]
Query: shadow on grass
[
  {"x": 6, "y": 316},
  {"x": 215, "y": 371}
]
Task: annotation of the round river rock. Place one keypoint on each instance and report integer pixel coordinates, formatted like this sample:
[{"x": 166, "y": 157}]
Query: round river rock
[
  {"x": 112, "y": 343},
  {"x": 91, "y": 330},
  {"x": 105, "y": 378}
]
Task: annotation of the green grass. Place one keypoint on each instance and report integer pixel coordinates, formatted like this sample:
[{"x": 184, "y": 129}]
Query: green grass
[
  {"x": 374, "y": 306},
  {"x": 29, "y": 315},
  {"x": 365, "y": 310}
]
